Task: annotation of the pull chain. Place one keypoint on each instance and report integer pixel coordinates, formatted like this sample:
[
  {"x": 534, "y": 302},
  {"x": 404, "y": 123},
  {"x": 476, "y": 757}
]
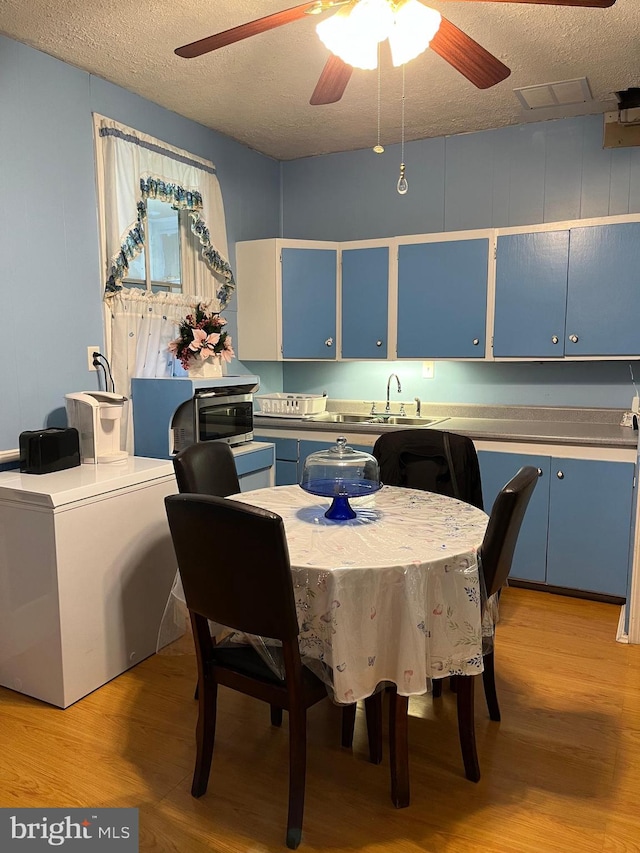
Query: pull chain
[
  {"x": 378, "y": 148},
  {"x": 402, "y": 185}
]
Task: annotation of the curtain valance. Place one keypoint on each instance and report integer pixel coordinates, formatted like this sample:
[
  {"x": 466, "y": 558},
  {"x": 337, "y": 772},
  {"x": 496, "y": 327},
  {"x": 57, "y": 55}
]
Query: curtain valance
[{"x": 136, "y": 167}]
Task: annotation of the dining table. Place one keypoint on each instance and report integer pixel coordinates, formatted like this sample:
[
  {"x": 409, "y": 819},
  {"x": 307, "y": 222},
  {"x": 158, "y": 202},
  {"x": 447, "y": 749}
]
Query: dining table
[{"x": 393, "y": 597}]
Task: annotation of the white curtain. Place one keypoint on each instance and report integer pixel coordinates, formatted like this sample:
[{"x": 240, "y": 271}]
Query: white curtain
[{"x": 131, "y": 168}]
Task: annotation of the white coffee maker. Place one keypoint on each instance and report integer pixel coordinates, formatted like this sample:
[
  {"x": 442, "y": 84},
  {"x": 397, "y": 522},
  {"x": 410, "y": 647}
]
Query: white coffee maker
[{"x": 97, "y": 416}]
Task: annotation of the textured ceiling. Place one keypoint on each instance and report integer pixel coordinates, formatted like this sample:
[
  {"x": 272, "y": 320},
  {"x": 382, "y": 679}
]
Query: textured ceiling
[{"x": 257, "y": 91}]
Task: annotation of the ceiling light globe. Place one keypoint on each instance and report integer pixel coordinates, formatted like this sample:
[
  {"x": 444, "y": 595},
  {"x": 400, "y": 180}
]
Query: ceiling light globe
[{"x": 414, "y": 26}]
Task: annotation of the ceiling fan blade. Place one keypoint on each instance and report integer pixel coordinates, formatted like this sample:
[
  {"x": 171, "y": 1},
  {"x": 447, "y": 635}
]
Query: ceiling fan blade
[
  {"x": 468, "y": 57},
  {"x": 253, "y": 28},
  {"x": 332, "y": 83},
  {"x": 589, "y": 4}
]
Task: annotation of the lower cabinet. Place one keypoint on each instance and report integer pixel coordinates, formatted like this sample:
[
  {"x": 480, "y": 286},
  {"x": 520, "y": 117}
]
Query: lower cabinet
[
  {"x": 576, "y": 532},
  {"x": 291, "y": 453}
]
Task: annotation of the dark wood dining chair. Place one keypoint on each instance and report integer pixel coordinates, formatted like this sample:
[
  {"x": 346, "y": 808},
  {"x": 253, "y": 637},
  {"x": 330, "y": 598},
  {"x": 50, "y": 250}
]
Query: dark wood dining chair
[
  {"x": 495, "y": 558},
  {"x": 253, "y": 593},
  {"x": 206, "y": 468},
  {"x": 431, "y": 460}
]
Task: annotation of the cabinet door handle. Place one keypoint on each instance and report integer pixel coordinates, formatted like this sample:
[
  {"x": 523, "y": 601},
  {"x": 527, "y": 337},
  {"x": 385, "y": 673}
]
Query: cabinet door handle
[
  {"x": 476, "y": 341},
  {"x": 560, "y": 475},
  {"x": 378, "y": 343},
  {"x": 554, "y": 339},
  {"x": 540, "y": 472},
  {"x": 573, "y": 339},
  {"x": 329, "y": 342}
]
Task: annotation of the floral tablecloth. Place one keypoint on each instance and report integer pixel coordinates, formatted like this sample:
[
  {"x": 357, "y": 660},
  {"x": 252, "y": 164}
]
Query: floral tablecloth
[{"x": 393, "y": 595}]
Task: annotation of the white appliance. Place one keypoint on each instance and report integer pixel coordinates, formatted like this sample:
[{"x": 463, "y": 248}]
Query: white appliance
[
  {"x": 97, "y": 416},
  {"x": 86, "y": 571}
]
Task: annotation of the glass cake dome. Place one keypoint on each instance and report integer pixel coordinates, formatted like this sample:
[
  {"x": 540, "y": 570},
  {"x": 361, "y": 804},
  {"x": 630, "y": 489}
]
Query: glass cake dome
[{"x": 340, "y": 473}]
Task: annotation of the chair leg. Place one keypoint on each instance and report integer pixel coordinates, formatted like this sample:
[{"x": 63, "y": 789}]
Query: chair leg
[
  {"x": 489, "y": 681},
  {"x": 466, "y": 726},
  {"x": 399, "y": 748},
  {"x": 276, "y": 715},
  {"x": 373, "y": 710},
  {"x": 436, "y": 688},
  {"x": 297, "y": 772},
  {"x": 348, "y": 724},
  {"x": 205, "y": 736}
]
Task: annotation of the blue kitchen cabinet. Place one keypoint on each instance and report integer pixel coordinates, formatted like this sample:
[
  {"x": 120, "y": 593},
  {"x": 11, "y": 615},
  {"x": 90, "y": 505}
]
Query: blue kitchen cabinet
[
  {"x": 309, "y": 292},
  {"x": 530, "y": 558},
  {"x": 603, "y": 295},
  {"x": 572, "y": 292},
  {"x": 531, "y": 294},
  {"x": 590, "y": 525},
  {"x": 442, "y": 298},
  {"x": 365, "y": 297},
  {"x": 286, "y": 460},
  {"x": 577, "y": 528}
]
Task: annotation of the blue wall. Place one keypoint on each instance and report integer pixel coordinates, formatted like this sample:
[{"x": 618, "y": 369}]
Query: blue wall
[
  {"x": 51, "y": 287},
  {"x": 519, "y": 175}
]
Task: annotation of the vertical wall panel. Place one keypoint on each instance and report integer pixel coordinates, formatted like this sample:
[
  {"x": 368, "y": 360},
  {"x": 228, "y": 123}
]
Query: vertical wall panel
[
  {"x": 619, "y": 182},
  {"x": 596, "y": 173},
  {"x": 526, "y": 177},
  {"x": 468, "y": 180},
  {"x": 634, "y": 180},
  {"x": 563, "y": 170},
  {"x": 503, "y": 142}
]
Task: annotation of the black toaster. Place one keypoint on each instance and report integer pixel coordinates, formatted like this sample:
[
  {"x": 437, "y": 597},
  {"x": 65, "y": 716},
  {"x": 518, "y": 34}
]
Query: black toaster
[{"x": 45, "y": 450}]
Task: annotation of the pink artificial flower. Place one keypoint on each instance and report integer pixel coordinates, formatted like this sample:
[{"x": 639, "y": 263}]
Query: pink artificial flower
[
  {"x": 202, "y": 341},
  {"x": 227, "y": 353}
]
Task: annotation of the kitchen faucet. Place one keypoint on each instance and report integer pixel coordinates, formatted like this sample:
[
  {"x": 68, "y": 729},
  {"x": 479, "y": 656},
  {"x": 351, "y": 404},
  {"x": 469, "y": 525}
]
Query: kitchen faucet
[{"x": 388, "y": 407}]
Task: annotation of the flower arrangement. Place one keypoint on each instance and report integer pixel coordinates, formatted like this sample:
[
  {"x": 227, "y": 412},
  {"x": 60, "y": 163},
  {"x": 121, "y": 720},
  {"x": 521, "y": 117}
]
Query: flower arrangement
[{"x": 201, "y": 335}]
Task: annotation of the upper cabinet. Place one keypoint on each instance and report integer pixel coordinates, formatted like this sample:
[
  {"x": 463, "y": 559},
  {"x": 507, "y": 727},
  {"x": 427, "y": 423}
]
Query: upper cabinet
[
  {"x": 442, "y": 298},
  {"x": 365, "y": 302},
  {"x": 287, "y": 300},
  {"x": 571, "y": 292}
]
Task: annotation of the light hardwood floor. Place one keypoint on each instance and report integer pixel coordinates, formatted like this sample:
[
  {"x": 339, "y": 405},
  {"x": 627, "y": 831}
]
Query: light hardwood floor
[{"x": 560, "y": 773}]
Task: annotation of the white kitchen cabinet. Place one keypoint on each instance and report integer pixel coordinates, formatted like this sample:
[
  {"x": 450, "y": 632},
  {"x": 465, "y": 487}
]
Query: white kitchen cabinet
[
  {"x": 577, "y": 529},
  {"x": 287, "y": 300},
  {"x": 86, "y": 571}
]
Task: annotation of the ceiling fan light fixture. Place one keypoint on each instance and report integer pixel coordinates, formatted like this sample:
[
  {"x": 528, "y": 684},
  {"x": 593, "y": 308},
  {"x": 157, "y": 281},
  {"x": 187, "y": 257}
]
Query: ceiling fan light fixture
[
  {"x": 414, "y": 25},
  {"x": 354, "y": 32}
]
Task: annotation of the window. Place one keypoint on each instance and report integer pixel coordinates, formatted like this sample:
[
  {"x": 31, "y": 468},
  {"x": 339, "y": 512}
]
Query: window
[{"x": 159, "y": 266}]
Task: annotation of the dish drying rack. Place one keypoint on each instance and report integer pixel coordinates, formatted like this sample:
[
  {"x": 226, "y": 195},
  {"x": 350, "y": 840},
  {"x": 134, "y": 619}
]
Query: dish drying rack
[{"x": 283, "y": 405}]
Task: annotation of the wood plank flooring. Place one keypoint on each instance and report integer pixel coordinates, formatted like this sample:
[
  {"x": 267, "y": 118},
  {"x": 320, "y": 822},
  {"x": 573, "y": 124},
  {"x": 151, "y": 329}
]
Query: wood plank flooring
[{"x": 560, "y": 773}]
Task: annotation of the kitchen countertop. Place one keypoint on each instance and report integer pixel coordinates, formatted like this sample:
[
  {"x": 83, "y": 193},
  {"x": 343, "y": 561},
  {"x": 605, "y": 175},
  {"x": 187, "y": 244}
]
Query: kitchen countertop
[{"x": 543, "y": 425}]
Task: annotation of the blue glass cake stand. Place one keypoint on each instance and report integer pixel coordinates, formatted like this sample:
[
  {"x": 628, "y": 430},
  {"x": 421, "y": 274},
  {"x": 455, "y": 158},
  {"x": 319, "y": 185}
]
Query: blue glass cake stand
[{"x": 341, "y": 491}]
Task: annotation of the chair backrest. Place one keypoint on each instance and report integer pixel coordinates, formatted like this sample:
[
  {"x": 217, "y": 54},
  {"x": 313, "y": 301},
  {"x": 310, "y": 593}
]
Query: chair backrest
[
  {"x": 431, "y": 460},
  {"x": 234, "y": 564},
  {"x": 501, "y": 535},
  {"x": 207, "y": 468}
]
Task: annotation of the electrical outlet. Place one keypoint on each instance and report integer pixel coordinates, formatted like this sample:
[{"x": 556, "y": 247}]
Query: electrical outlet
[
  {"x": 428, "y": 370},
  {"x": 90, "y": 352}
]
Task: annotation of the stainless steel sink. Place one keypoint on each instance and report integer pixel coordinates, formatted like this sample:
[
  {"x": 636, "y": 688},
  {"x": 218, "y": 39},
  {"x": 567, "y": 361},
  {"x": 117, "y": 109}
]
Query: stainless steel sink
[{"x": 378, "y": 420}]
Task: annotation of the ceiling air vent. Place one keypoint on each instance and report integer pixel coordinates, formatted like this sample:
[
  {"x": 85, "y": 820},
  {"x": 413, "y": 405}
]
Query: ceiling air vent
[{"x": 559, "y": 94}]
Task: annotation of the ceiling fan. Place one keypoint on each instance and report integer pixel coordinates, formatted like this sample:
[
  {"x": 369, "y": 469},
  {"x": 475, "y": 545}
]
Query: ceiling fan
[{"x": 463, "y": 53}]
